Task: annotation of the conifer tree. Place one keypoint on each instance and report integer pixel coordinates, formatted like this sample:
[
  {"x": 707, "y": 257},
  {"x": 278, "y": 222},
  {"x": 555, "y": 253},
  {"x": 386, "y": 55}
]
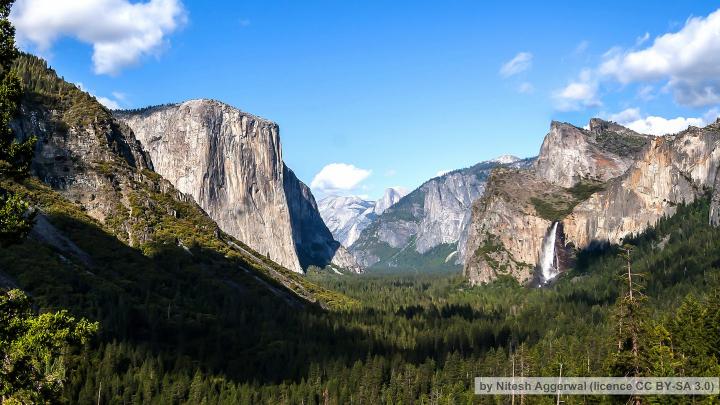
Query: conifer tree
[
  {"x": 15, "y": 156},
  {"x": 630, "y": 316}
]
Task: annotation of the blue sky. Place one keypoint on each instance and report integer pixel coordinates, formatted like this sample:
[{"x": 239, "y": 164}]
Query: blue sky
[{"x": 393, "y": 92}]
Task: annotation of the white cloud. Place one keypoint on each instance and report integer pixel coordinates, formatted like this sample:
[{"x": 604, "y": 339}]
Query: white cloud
[
  {"x": 338, "y": 177},
  {"x": 526, "y": 88},
  {"x": 661, "y": 126},
  {"x": 441, "y": 172},
  {"x": 109, "y": 103},
  {"x": 654, "y": 125},
  {"x": 119, "y": 96},
  {"x": 625, "y": 116},
  {"x": 689, "y": 60},
  {"x": 114, "y": 103},
  {"x": 579, "y": 93},
  {"x": 121, "y": 32},
  {"x": 520, "y": 63}
]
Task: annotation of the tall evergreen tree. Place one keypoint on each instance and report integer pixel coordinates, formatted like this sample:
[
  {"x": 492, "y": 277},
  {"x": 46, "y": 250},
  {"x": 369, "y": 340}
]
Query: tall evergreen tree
[
  {"x": 630, "y": 316},
  {"x": 15, "y": 156}
]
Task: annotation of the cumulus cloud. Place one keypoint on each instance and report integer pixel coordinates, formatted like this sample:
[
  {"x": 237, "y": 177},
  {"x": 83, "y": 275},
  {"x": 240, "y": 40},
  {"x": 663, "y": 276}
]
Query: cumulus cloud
[
  {"x": 338, "y": 177},
  {"x": 441, "y": 173},
  {"x": 654, "y": 125},
  {"x": 108, "y": 102},
  {"x": 114, "y": 103},
  {"x": 661, "y": 126},
  {"x": 685, "y": 63},
  {"x": 625, "y": 116},
  {"x": 520, "y": 63},
  {"x": 579, "y": 93},
  {"x": 121, "y": 32},
  {"x": 688, "y": 60}
]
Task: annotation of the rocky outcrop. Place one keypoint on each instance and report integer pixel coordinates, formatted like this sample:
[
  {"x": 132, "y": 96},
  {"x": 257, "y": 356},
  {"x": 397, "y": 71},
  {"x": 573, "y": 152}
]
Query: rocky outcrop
[
  {"x": 423, "y": 228},
  {"x": 390, "y": 197},
  {"x": 570, "y": 154},
  {"x": 675, "y": 169},
  {"x": 90, "y": 162},
  {"x": 715, "y": 202},
  {"x": 231, "y": 163},
  {"x": 601, "y": 184},
  {"x": 506, "y": 232},
  {"x": 45, "y": 232},
  {"x": 347, "y": 216}
]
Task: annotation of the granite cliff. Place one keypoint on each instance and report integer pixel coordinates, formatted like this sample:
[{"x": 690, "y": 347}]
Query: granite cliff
[
  {"x": 105, "y": 215},
  {"x": 347, "y": 216},
  {"x": 598, "y": 184},
  {"x": 231, "y": 163},
  {"x": 422, "y": 230}
]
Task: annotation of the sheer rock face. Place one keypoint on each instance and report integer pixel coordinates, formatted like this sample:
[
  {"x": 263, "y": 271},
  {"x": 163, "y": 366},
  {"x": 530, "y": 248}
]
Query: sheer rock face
[
  {"x": 644, "y": 179},
  {"x": 347, "y": 216},
  {"x": 447, "y": 209},
  {"x": 506, "y": 233},
  {"x": 715, "y": 202},
  {"x": 437, "y": 213},
  {"x": 673, "y": 170},
  {"x": 429, "y": 216},
  {"x": 231, "y": 163},
  {"x": 570, "y": 154},
  {"x": 389, "y": 198}
]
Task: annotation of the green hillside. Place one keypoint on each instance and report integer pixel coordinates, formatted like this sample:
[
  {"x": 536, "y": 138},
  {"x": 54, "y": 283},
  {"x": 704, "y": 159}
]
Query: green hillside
[{"x": 183, "y": 332}]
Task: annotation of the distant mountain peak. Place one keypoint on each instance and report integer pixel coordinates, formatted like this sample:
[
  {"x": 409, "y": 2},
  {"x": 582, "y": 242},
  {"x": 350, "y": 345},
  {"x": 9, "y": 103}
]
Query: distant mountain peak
[
  {"x": 392, "y": 195},
  {"x": 347, "y": 216},
  {"x": 505, "y": 159}
]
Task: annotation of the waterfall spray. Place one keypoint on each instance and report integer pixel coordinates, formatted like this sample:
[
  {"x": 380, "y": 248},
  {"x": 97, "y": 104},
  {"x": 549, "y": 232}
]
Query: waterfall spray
[{"x": 548, "y": 259}]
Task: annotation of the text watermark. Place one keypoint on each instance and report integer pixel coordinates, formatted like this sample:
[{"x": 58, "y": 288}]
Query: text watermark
[{"x": 597, "y": 385}]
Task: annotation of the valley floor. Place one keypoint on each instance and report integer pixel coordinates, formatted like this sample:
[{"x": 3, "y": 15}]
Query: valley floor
[{"x": 403, "y": 339}]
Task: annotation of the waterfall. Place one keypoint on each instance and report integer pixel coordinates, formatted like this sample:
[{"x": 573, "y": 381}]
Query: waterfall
[{"x": 548, "y": 259}]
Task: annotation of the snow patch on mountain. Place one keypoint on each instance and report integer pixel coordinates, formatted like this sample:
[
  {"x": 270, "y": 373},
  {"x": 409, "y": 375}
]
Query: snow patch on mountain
[{"x": 505, "y": 159}]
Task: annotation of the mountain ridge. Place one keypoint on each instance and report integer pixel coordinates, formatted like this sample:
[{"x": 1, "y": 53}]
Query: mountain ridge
[
  {"x": 599, "y": 185},
  {"x": 99, "y": 173},
  {"x": 425, "y": 226},
  {"x": 231, "y": 163},
  {"x": 347, "y": 216}
]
